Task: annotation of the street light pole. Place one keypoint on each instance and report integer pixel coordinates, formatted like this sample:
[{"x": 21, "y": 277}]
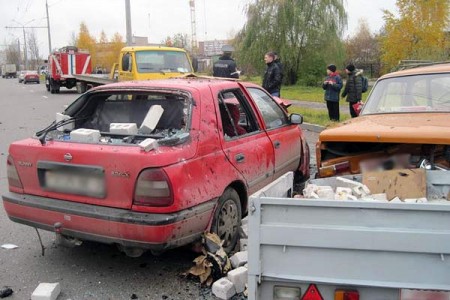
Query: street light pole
[
  {"x": 128, "y": 22},
  {"x": 48, "y": 30},
  {"x": 25, "y": 50}
]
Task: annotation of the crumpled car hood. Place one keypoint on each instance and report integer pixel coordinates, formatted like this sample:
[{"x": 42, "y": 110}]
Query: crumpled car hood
[{"x": 424, "y": 128}]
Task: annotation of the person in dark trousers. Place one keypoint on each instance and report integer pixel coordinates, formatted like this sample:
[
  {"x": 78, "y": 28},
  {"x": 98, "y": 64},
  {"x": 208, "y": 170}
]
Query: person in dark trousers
[
  {"x": 226, "y": 66},
  {"x": 272, "y": 75},
  {"x": 332, "y": 86},
  {"x": 353, "y": 88}
]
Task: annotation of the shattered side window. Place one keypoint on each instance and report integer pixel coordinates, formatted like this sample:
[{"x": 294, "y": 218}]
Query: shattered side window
[
  {"x": 272, "y": 114},
  {"x": 236, "y": 115}
]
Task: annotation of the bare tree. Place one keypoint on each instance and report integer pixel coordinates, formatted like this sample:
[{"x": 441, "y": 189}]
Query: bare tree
[
  {"x": 363, "y": 50},
  {"x": 13, "y": 54},
  {"x": 33, "y": 48}
]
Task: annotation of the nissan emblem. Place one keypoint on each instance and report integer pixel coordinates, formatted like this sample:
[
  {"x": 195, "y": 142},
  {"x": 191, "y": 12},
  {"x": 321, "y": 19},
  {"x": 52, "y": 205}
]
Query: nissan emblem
[{"x": 67, "y": 157}]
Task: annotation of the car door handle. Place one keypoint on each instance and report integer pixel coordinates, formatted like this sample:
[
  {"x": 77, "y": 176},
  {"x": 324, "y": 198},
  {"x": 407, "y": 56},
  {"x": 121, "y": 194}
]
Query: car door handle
[
  {"x": 240, "y": 157},
  {"x": 277, "y": 144}
]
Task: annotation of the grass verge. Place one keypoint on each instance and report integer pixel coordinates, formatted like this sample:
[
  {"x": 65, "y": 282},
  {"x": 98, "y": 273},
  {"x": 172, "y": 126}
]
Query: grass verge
[{"x": 316, "y": 116}]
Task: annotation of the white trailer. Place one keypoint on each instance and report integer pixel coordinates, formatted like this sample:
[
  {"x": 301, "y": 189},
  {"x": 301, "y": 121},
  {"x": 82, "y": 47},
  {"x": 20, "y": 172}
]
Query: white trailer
[{"x": 330, "y": 249}]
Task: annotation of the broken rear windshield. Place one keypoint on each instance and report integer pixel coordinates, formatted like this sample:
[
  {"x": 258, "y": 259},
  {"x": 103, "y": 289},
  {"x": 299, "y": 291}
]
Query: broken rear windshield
[{"x": 127, "y": 116}]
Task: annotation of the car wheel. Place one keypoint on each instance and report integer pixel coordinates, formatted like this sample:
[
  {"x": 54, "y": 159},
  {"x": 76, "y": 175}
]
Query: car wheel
[{"x": 227, "y": 219}]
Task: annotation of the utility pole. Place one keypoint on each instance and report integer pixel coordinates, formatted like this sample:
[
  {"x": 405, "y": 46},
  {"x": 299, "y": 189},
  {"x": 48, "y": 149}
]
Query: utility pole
[
  {"x": 20, "y": 56},
  {"x": 128, "y": 22},
  {"x": 48, "y": 30}
]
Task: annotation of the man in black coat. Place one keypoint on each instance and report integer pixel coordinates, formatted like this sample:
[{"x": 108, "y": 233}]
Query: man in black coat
[
  {"x": 353, "y": 88},
  {"x": 225, "y": 66},
  {"x": 272, "y": 76}
]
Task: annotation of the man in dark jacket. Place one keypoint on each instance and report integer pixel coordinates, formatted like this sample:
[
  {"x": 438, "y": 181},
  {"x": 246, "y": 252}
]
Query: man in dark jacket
[
  {"x": 225, "y": 66},
  {"x": 277, "y": 60},
  {"x": 332, "y": 86},
  {"x": 353, "y": 88},
  {"x": 272, "y": 76}
]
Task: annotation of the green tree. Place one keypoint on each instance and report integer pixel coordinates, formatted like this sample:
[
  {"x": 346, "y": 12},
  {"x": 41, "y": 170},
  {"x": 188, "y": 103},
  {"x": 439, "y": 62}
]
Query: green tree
[
  {"x": 305, "y": 33},
  {"x": 115, "y": 44},
  {"x": 418, "y": 33}
]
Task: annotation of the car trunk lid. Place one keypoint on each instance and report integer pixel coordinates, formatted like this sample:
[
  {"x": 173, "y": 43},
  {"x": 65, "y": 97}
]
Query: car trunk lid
[{"x": 88, "y": 173}]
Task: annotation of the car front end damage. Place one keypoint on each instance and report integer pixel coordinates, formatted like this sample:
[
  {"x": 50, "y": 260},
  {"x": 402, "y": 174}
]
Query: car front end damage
[{"x": 384, "y": 142}]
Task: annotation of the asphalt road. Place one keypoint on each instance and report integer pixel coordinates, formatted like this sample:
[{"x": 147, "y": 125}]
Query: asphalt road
[{"x": 90, "y": 271}]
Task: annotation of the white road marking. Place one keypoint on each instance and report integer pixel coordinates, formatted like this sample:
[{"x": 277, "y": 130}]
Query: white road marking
[{"x": 45, "y": 97}]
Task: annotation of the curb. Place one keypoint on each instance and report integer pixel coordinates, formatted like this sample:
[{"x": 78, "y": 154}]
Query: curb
[{"x": 312, "y": 127}]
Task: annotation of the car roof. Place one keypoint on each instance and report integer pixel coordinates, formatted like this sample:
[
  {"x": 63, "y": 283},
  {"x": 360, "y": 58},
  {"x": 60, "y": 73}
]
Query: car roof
[
  {"x": 428, "y": 69},
  {"x": 185, "y": 83}
]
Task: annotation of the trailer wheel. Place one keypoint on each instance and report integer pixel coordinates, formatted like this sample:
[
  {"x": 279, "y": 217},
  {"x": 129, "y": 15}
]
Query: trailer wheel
[
  {"x": 54, "y": 87},
  {"x": 227, "y": 219}
]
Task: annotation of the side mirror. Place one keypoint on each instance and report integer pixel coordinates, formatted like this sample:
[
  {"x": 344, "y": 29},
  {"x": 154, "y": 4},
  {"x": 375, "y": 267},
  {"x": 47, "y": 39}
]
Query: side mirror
[
  {"x": 126, "y": 62},
  {"x": 296, "y": 119}
]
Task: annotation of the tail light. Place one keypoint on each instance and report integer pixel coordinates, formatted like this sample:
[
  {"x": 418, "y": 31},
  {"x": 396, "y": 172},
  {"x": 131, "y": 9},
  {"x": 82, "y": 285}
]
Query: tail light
[
  {"x": 13, "y": 177},
  {"x": 153, "y": 188},
  {"x": 346, "y": 295},
  {"x": 312, "y": 293},
  {"x": 335, "y": 169}
]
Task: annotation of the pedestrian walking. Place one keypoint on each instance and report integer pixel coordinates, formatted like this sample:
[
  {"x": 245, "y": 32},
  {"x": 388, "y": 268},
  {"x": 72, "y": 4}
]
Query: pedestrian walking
[
  {"x": 332, "y": 86},
  {"x": 353, "y": 88},
  {"x": 226, "y": 66},
  {"x": 272, "y": 75}
]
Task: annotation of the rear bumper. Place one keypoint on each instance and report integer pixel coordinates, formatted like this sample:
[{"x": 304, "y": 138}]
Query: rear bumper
[{"x": 110, "y": 225}]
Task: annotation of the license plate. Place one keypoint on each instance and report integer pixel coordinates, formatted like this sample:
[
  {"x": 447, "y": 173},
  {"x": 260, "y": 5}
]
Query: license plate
[{"x": 75, "y": 183}]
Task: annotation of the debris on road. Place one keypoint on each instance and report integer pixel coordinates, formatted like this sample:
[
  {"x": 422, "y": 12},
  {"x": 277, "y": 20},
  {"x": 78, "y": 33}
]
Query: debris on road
[
  {"x": 5, "y": 292},
  {"x": 9, "y": 246},
  {"x": 213, "y": 263},
  {"x": 227, "y": 277},
  {"x": 46, "y": 291}
]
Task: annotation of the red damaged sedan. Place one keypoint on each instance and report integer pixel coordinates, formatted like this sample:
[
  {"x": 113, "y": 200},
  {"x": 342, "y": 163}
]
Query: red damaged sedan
[{"x": 151, "y": 165}]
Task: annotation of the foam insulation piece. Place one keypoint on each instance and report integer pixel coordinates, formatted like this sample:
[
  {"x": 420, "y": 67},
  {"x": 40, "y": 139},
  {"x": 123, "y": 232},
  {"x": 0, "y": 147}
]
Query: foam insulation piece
[
  {"x": 62, "y": 117},
  {"x": 148, "y": 144},
  {"x": 123, "y": 128},
  {"x": 151, "y": 119},
  {"x": 84, "y": 135}
]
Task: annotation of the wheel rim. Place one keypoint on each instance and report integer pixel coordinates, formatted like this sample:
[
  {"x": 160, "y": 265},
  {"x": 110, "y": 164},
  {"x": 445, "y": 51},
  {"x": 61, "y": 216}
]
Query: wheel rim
[{"x": 228, "y": 222}]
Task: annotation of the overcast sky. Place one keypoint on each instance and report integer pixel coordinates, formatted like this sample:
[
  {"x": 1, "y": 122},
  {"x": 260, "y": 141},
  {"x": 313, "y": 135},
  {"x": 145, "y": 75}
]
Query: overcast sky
[{"x": 156, "y": 19}]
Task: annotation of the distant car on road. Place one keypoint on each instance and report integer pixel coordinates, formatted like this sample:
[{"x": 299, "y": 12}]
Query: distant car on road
[
  {"x": 153, "y": 164},
  {"x": 31, "y": 76},
  {"x": 405, "y": 123}
]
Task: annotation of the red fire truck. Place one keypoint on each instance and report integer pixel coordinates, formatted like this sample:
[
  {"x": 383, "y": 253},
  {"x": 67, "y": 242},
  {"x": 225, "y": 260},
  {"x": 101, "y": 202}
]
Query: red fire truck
[{"x": 63, "y": 64}]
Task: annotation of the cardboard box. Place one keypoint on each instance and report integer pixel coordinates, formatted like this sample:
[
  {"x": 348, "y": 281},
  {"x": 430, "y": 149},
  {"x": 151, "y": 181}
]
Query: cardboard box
[{"x": 401, "y": 183}]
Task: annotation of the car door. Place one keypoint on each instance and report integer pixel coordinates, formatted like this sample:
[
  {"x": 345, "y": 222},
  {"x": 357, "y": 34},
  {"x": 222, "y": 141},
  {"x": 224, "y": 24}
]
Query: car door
[
  {"x": 245, "y": 143},
  {"x": 285, "y": 137}
]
